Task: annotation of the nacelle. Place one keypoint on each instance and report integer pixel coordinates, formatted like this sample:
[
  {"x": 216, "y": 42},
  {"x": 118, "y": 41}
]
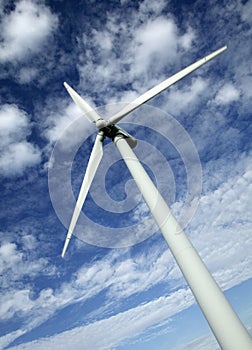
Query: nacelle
[{"x": 112, "y": 131}]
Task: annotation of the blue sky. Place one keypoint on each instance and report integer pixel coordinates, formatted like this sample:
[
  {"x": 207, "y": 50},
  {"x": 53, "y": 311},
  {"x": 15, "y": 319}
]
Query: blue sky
[{"x": 194, "y": 140}]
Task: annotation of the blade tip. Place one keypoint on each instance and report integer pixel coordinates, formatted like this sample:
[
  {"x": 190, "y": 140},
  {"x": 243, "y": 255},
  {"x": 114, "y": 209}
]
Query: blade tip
[{"x": 63, "y": 252}]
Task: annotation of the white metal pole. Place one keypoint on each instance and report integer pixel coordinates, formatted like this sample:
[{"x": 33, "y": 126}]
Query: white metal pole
[{"x": 224, "y": 322}]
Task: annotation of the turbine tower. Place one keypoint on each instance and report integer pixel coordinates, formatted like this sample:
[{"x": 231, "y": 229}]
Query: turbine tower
[{"x": 224, "y": 322}]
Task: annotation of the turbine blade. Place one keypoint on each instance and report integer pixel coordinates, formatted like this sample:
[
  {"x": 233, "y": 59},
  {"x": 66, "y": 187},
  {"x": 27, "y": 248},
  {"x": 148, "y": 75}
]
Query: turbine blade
[
  {"x": 88, "y": 111},
  {"x": 161, "y": 87},
  {"x": 94, "y": 161}
]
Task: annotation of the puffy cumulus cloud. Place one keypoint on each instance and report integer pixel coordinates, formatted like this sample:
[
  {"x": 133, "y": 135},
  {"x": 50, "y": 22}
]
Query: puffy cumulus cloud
[
  {"x": 16, "y": 152},
  {"x": 146, "y": 45},
  {"x": 18, "y": 157},
  {"x": 19, "y": 302},
  {"x": 125, "y": 325},
  {"x": 15, "y": 301},
  {"x": 26, "y": 75},
  {"x": 19, "y": 261},
  {"x": 157, "y": 43},
  {"x": 186, "y": 98},
  {"x": 227, "y": 94},
  {"x": 9, "y": 255},
  {"x": 129, "y": 276},
  {"x": 20, "y": 265},
  {"x": 186, "y": 40},
  {"x": 13, "y": 124},
  {"x": 148, "y": 7},
  {"x": 120, "y": 278},
  {"x": 25, "y": 29},
  {"x": 60, "y": 115}
]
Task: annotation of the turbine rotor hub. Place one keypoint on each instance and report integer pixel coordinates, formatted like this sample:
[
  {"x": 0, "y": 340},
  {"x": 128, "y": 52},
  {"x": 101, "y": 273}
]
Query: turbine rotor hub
[{"x": 101, "y": 123}]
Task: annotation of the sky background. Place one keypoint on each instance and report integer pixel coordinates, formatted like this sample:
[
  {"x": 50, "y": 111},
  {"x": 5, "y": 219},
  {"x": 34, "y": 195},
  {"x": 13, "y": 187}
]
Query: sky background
[{"x": 131, "y": 296}]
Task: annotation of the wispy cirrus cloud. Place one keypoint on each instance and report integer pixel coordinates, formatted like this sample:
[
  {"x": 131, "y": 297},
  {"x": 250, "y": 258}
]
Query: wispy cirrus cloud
[{"x": 125, "y": 324}]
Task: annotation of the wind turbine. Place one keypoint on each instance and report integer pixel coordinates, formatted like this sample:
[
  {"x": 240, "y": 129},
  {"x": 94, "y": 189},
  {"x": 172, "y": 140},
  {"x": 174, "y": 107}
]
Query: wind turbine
[{"x": 225, "y": 324}]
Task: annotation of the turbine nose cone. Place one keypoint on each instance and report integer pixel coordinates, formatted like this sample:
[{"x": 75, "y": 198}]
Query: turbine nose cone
[{"x": 101, "y": 123}]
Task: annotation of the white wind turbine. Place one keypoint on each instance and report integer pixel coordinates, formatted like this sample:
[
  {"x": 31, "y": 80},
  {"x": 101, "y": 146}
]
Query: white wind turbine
[{"x": 225, "y": 324}]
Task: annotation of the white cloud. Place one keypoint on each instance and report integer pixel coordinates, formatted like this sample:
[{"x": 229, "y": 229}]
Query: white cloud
[
  {"x": 186, "y": 40},
  {"x": 221, "y": 233},
  {"x": 125, "y": 325},
  {"x": 18, "y": 157},
  {"x": 124, "y": 278},
  {"x": 13, "y": 124},
  {"x": 19, "y": 264},
  {"x": 155, "y": 42},
  {"x": 15, "y": 301},
  {"x": 15, "y": 262},
  {"x": 8, "y": 338},
  {"x": 102, "y": 40},
  {"x": 158, "y": 42},
  {"x": 221, "y": 229},
  {"x": 16, "y": 152},
  {"x": 203, "y": 343},
  {"x": 25, "y": 29},
  {"x": 147, "y": 44},
  {"x": 26, "y": 75},
  {"x": 148, "y": 7},
  {"x": 186, "y": 98},
  {"x": 61, "y": 115},
  {"x": 227, "y": 94},
  {"x": 9, "y": 255},
  {"x": 29, "y": 242},
  {"x": 246, "y": 11}
]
